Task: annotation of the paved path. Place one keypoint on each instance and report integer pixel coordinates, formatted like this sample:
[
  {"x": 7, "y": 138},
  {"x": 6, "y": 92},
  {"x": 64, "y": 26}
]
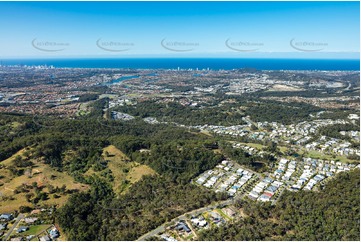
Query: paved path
[
  {"x": 283, "y": 188},
  {"x": 249, "y": 121},
  {"x": 195, "y": 236},
  {"x": 161, "y": 228},
  {"x": 20, "y": 217}
]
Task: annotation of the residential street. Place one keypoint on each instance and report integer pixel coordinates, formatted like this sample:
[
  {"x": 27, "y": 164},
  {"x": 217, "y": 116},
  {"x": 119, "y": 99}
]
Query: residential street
[
  {"x": 183, "y": 217},
  {"x": 18, "y": 219}
]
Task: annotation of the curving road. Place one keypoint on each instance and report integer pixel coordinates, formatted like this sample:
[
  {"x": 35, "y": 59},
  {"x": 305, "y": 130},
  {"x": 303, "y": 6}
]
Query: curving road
[{"x": 161, "y": 228}]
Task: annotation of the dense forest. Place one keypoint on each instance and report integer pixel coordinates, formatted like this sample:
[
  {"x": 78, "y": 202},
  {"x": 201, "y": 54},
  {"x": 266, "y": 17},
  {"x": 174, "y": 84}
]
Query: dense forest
[
  {"x": 228, "y": 113},
  {"x": 254, "y": 162},
  {"x": 97, "y": 215},
  {"x": 272, "y": 111},
  {"x": 187, "y": 115}
]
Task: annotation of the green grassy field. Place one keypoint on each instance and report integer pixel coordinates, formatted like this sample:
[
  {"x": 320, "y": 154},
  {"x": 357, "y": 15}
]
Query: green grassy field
[
  {"x": 223, "y": 214},
  {"x": 36, "y": 229},
  {"x": 318, "y": 155},
  {"x": 254, "y": 145}
]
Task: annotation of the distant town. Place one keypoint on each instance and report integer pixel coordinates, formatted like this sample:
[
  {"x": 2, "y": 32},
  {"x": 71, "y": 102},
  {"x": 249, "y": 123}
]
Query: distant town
[{"x": 229, "y": 135}]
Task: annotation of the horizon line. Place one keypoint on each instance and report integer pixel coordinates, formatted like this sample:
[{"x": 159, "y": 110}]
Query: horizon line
[{"x": 177, "y": 57}]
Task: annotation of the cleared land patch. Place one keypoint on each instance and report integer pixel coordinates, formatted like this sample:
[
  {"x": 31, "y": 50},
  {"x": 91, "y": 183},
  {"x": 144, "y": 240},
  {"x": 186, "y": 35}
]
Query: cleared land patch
[
  {"x": 14, "y": 188},
  {"x": 283, "y": 88},
  {"x": 124, "y": 171}
]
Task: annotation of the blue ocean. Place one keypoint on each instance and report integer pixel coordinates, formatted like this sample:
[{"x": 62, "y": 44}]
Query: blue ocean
[{"x": 193, "y": 63}]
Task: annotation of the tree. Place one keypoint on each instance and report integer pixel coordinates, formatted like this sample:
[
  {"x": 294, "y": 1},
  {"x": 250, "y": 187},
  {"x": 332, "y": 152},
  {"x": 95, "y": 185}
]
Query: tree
[
  {"x": 28, "y": 196},
  {"x": 63, "y": 189},
  {"x": 25, "y": 209},
  {"x": 50, "y": 188}
]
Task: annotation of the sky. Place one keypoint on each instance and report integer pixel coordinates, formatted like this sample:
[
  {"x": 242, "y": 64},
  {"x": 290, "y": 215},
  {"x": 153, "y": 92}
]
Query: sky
[{"x": 180, "y": 29}]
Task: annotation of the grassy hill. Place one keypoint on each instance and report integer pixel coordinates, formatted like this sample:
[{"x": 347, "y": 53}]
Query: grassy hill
[
  {"x": 124, "y": 171},
  {"x": 15, "y": 187}
]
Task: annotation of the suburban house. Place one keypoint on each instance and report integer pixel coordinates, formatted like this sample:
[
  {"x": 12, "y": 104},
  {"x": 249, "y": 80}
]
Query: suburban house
[
  {"x": 6, "y": 216},
  {"x": 54, "y": 233},
  {"x": 45, "y": 238},
  {"x": 22, "y": 229},
  {"x": 181, "y": 226},
  {"x": 30, "y": 220},
  {"x": 3, "y": 226}
]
